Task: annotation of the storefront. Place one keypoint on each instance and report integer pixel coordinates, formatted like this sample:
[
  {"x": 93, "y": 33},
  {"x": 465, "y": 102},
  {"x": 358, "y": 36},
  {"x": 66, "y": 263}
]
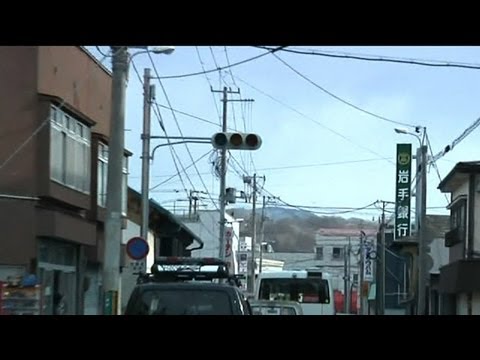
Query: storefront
[{"x": 58, "y": 275}]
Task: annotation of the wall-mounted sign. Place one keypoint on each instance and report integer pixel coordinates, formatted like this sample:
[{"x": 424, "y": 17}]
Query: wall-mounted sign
[{"x": 403, "y": 190}]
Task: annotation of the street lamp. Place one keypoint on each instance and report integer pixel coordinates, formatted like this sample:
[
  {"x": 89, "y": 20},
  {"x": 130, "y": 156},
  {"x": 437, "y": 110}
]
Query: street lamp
[
  {"x": 167, "y": 50},
  {"x": 158, "y": 50},
  {"x": 406, "y": 132},
  {"x": 420, "y": 215}
]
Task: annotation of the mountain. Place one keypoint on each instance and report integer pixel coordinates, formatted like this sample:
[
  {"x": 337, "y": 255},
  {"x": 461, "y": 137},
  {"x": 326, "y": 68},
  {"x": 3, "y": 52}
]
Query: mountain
[{"x": 293, "y": 230}]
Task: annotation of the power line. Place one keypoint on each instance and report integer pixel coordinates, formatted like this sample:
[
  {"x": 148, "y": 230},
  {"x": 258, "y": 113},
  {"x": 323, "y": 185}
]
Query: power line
[
  {"x": 41, "y": 126},
  {"x": 321, "y": 164},
  {"x": 300, "y": 208},
  {"x": 101, "y": 52},
  {"x": 193, "y": 116},
  {"x": 173, "y": 153},
  {"x": 221, "y": 68},
  {"x": 281, "y": 167},
  {"x": 455, "y": 142},
  {"x": 175, "y": 175},
  {"x": 175, "y": 156},
  {"x": 242, "y": 157},
  {"x": 377, "y": 58},
  {"x": 314, "y": 121},
  {"x": 210, "y": 84},
  {"x": 303, "y": 208},
  {"x": 228, "y": 64},
  {"x": 337, "y": 97},
  {"x": 434, "y": 163},
  {"x": 180, "y": 130}
]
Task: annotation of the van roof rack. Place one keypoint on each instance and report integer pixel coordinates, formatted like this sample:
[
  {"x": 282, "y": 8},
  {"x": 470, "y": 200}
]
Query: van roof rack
[{"x": 178, "y": 269}]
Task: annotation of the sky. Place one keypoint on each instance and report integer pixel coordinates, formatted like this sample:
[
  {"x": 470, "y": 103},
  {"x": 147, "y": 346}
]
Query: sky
[{"x": 331, "y": 155}]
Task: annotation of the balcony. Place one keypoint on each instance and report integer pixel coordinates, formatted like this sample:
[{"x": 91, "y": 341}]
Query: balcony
[
  {"x": 452, "y": 237},
  {"x": 460, "y": 276}
]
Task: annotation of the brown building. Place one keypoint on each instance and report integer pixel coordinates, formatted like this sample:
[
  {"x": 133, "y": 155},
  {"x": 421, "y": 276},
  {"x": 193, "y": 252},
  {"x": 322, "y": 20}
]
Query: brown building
[
  {"x": 54, "y": 126},
  {"x": 55, "y": 118}
]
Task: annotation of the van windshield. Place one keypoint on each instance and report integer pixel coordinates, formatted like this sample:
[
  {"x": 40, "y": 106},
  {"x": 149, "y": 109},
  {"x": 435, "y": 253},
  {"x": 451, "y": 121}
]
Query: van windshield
[
  {"x": 183, "y": 302},
  {"x": 309, "y": 290}
]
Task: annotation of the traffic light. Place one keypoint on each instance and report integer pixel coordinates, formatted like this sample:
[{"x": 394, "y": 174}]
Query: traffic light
[{"x": 236, "y": 141}]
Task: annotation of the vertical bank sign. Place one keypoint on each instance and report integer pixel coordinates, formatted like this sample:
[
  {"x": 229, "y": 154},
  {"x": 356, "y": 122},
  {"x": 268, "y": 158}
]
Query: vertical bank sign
[{"x": 403, "y": 192}]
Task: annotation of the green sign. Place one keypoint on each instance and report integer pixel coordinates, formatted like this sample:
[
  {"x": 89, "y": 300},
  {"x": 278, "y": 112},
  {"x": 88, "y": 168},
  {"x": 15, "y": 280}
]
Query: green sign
[
  {"x": 110, "y": 303},
  {"x": 402, "y": 191}
]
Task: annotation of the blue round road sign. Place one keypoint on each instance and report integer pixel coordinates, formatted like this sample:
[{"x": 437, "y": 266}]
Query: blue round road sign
[{"x": 137, "y": 248}]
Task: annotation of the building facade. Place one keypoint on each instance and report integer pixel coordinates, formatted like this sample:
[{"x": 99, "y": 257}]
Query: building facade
[
  {"x": 205, "y": 224},
  {"x": 54, "y": 125},
  {"x": 458, "y": 281}
]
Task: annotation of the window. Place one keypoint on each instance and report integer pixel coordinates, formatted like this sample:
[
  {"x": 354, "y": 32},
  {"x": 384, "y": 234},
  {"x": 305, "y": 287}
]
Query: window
[
  {"x": 319, "y": 253},
  {"x": 458, "y": 218},
  {"x": 69, "y": 151},
  {"x": 310, "y": 290},
  {"x": 337, "y": 253},
  {"x": 355, "y": 279},
  {"x": 183, "y": 302},
  {"x": 102, "y": 177}
]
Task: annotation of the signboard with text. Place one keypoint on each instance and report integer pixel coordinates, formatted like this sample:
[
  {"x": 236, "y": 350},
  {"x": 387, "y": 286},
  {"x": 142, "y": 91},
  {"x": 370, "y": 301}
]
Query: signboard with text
[
  {"x": 369, "y": 257},
  {"x": 403, "y": 190},
  {"x": 228, "y": 241}
]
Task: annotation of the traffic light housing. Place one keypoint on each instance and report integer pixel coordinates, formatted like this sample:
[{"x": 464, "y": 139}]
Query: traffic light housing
[{"x": 236, "y": 141}]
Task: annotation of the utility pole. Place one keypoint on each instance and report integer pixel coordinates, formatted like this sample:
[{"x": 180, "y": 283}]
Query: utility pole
[
  {"x": 190, "y": 198},
  {"x": 381, "y": 268},
  {"x": 148, "y": 96},
  {"x": 347, "y": 277},
  {"x": 113, "y": 220},
  {"x": 223, "y": 165},
  {"x": 251, "y": 283},
  {"x": 262, "y": 234},
  {"x": 422, "y": 155},
  {"x": 346, "y": 280},
  {"x": 223, "y": 170},
  {"x": 360, "y": 285}
]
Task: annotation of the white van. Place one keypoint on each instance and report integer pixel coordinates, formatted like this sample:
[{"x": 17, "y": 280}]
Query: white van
[{"x": 310, "y": 287}]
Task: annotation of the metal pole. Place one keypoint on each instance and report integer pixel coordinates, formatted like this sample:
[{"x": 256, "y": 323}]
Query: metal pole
[
  {"x": 345, "y": 280},
  {"x": 422, "y": 273},
  {"x": 223, "y": 174},
  {"x": 262, "y": 234},
  {"x": 360, "y": 287},
  {"x": 383, "y": 264},
  {"x": 349, "y": 285},
  {"x": 146, "y": 160},
  {"x": 113, "y": 219},
  {"x": 254, "y": 237}
]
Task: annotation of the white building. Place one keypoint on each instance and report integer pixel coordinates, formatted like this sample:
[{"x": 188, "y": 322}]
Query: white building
[{"x": 206, "y": 225}]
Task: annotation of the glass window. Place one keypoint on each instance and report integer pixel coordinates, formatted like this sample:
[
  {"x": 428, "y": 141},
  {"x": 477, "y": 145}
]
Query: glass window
[
  {"x": 337, "y": 253},
  {"x": 103, "y": 176},
  {"x": 56, "y": 154},
  {"x": 69, "y": 151},
  {"x": 310, "y": 290},
  {"x": 183, "y": 302}
]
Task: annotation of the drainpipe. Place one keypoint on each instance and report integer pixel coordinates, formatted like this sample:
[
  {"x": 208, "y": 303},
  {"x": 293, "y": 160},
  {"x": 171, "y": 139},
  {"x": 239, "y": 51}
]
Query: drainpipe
[
  {"x": 471, "y": 216},
  {"x": 471, "y": 231}
]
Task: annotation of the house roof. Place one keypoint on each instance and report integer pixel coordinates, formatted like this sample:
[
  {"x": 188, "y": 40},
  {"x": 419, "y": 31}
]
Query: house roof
[
  {"x": 438, "y": 225},
  {"x": 169, "y": 216},
  {"x": 458, "y": 175},
  {"x": 345, "y": 231}
]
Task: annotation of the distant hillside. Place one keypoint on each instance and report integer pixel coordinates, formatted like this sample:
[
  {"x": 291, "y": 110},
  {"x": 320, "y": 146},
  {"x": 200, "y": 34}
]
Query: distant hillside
[{"x": 292, "y": 230}]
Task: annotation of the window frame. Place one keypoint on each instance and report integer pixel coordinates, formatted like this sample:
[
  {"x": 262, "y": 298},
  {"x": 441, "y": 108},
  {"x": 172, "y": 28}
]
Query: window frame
[
  {"x": 73, "y": 135},
  {"x": 102, "y": 185}
]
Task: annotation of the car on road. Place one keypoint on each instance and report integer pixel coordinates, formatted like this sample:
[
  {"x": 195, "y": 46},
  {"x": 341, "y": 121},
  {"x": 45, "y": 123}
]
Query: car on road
[
  {"x": 188, "y": 286},
  {"x": 266, "y": 307}
]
